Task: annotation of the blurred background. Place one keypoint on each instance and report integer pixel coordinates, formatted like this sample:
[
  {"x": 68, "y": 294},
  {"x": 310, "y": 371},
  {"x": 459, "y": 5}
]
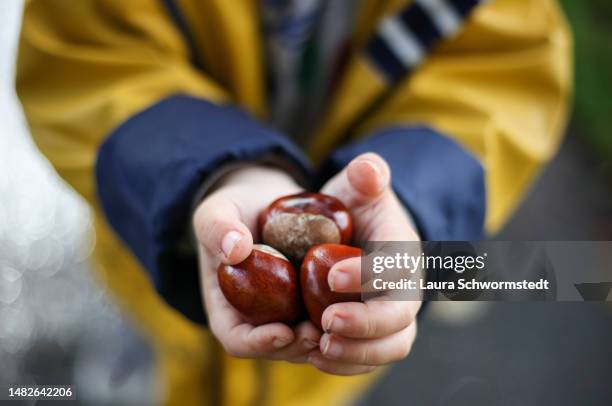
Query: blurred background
[{"x": 57, "y": 326}]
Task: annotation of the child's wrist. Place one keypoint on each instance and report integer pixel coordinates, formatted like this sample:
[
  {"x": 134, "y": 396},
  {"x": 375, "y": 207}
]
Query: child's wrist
[{"x": 260, "y": 175}]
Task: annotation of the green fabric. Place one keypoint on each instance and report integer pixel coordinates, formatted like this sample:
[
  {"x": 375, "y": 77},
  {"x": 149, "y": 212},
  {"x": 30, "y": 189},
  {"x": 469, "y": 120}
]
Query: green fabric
[
  {"x": 309, "y": 68},
  {"x": 591, "y": 21}
]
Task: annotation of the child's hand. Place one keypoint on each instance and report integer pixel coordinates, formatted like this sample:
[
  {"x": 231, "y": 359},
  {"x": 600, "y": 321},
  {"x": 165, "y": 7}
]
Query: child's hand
[
  {"x": 361, "y": 336},
  {"x": 224, "y": 224}
]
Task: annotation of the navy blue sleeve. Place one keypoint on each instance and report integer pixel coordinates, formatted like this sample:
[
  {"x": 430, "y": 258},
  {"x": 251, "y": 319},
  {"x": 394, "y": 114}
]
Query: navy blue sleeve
[
  {"x": 440, "y": 183},
  {"x": 149, "y": 170}
]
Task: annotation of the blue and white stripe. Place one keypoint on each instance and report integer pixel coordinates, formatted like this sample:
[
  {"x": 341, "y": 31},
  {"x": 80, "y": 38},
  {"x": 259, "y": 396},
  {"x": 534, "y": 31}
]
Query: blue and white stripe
[
  {"x": 403, "y": 40},
  {"x": 443, "y": 16},
  {"x": 404, "y": 44}
]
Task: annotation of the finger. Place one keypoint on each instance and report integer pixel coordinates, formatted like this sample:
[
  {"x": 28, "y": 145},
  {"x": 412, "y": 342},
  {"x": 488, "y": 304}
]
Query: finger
[
  {"x": 219, "y": 228},
  {"x": 345, "y": 275},
  {"x": 378, "y": 351},
  {"x": 388, "y": 220},
  {"x": 372, "y": 319},
  {"x": 362, "y": 182},
  {"x": 369, "y": 174},
  {"x": 337, "y": 367},
  {"x": 247, "y": 341},
  {"x": 307, "y": 338}
]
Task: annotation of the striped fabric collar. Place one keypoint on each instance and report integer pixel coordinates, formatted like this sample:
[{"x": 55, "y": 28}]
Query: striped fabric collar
[{"x": 403, "y": 40}]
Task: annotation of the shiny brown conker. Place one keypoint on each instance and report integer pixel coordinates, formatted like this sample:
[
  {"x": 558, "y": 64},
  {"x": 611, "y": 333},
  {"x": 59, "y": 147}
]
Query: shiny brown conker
[
  {"x": 264, "y": 287},
  {"x": 292, "y": 224},
  {"x": 316, "y": 294}
]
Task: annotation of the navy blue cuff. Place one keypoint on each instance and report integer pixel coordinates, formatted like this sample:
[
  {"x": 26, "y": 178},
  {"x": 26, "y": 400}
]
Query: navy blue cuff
[
  {"x": 440, "y": 183},
  {"x": 149, "y": 170}
]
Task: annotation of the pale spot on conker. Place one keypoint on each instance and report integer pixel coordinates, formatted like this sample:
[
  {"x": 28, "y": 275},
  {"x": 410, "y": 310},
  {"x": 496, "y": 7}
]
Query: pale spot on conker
[
  {"x": 270, "y": 250},
  {"x": 294, "y": 233}
]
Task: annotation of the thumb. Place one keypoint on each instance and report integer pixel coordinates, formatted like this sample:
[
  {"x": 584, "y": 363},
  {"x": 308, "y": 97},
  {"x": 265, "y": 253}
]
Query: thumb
[
  {"x": 361, "y": 182},
  {"x": 220, "y": 229}
]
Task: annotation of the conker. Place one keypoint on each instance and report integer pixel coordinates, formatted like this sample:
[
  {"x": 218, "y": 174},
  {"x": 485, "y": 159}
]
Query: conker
[
  {"x": 264, "y": 287},
  {"x": 293, "y": 224},
  {"x": 313, "y": 276}
]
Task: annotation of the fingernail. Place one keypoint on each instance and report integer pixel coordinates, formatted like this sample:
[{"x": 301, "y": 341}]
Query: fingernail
[
  {"x": 378, "y": 170},
  {"x": 328, "y": 326},
  {"x": 338, "y": 280},
  {"x": 280, "y": 342},
  {"x": 310, "y": 344},
  {"x": 229, "y": 242},
  {"x": 331, "y": 349},
  {"x": 373, "y": 167},
  {"x": 334, "y": 325},
  {"x": 324, "y": 343}
]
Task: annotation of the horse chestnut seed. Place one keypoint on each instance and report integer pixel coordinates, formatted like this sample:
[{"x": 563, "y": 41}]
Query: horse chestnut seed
[
  {"x": 264, "y": 287},
  {"x": 313, "y": 277},
  {"x": 292, "y": 224}
]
